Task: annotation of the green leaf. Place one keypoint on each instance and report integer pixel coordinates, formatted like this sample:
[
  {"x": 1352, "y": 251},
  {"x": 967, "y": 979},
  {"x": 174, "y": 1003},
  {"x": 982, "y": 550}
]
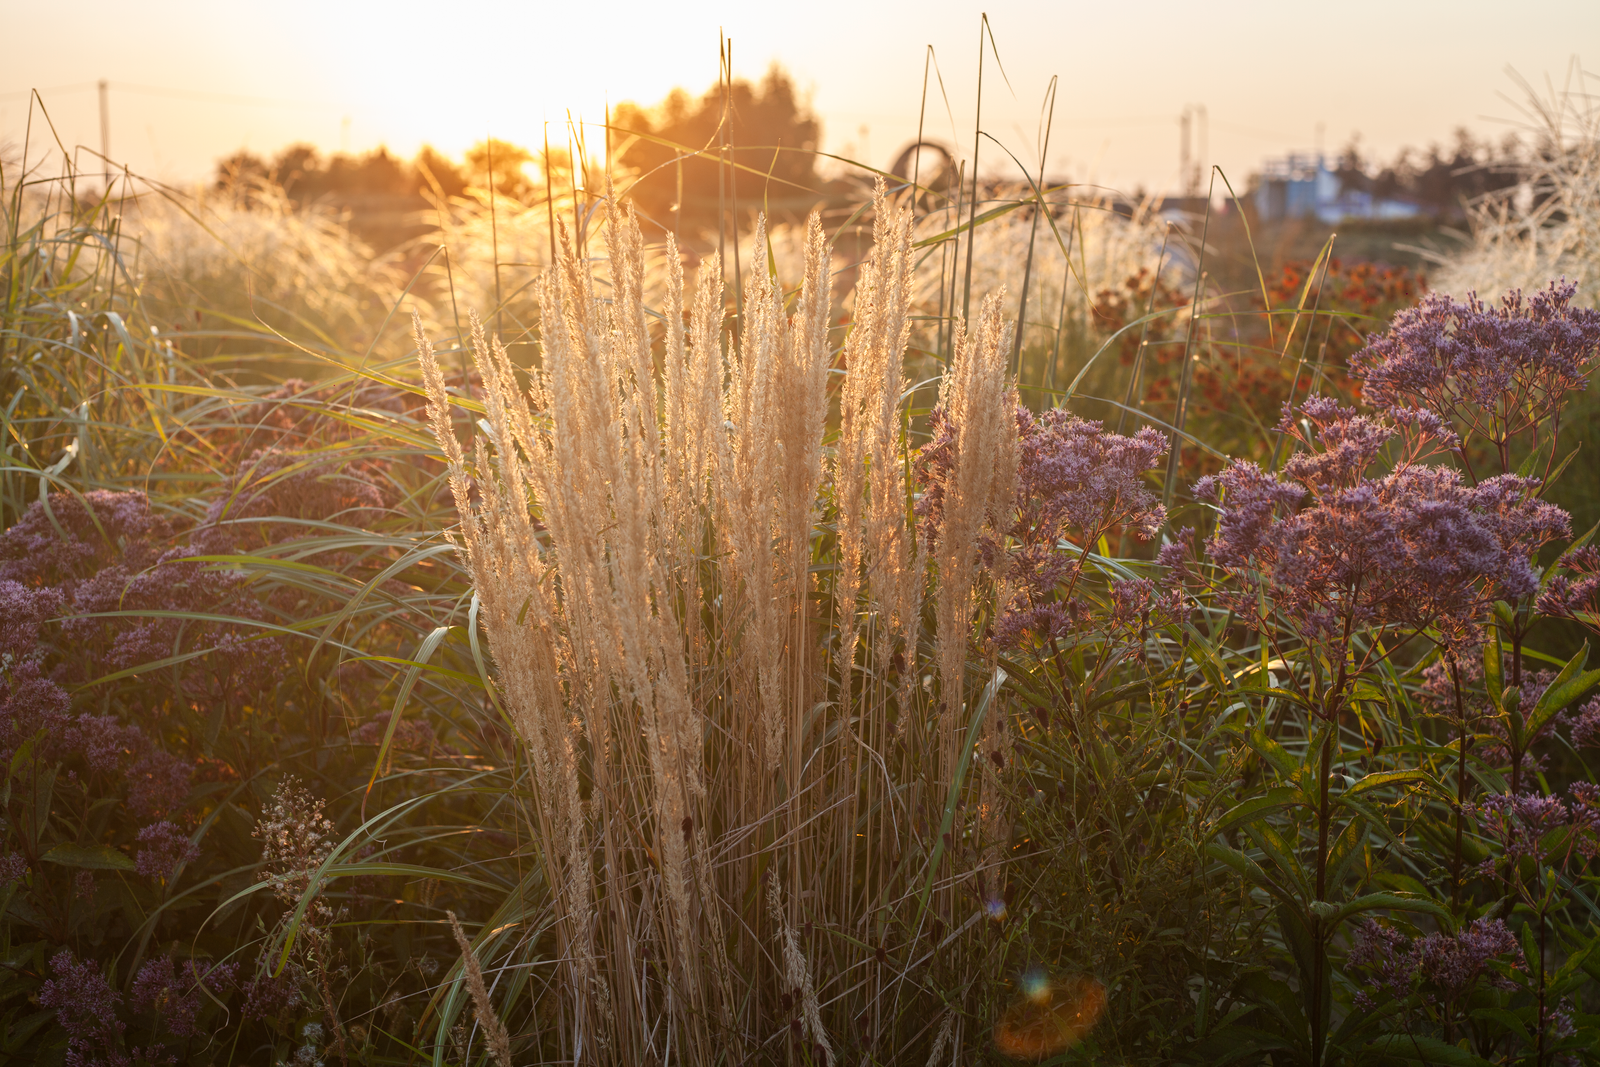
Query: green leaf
[
  {"x": 1572, "y": 683},
  {"x": 1494, "y": 678},
  {"x": 424, "y": 653},
  {"x": 89, "y": 857},
  {"x": 1382, "y": 778},
  {"x": 1425, "y": 1049},
  {"x": 1257, "y": 807},
  {"x": 1281, "y": 852},
  {"x": 1274, "y": 753},
  {"x": 1299, "y": 935},
  {"x": 1390, "y": 902},
  {"x": 980, "y": 712},
  {"x": 1530, "y": 948},
  {"x": 1505, "y": 1019},
  {"x": 1346, "y": 848},
  {"x": 1249, "y": 870}
]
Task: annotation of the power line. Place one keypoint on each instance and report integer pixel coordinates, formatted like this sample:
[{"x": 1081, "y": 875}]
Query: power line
[
  {"x": 167, "y": 91},
  {"x": 74, "y": 87}
]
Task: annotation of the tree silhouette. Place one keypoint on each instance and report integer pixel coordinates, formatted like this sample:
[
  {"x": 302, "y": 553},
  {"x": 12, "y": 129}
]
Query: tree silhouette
[{"x": 772, "y": 132}]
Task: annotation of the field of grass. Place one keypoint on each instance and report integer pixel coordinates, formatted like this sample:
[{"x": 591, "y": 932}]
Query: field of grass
[{"x": 918, "y": 635}]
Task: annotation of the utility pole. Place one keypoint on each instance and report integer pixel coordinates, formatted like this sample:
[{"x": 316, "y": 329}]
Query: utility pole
[
  {"x": 105, "y": 133},
  {"x": 1186, "y": 186},
  {"x": 1190, "y": 165}
]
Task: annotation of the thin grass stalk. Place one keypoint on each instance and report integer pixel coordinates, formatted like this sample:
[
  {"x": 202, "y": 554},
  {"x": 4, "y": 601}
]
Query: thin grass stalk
[
  {"x": 1134, "y": 375},
  {"x": 1187, "y": 373},
  {"x": 1033, "y": 232},
  {"x": 977, "y": 138}
]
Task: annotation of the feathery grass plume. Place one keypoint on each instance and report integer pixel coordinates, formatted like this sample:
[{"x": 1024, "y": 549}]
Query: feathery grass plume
[
  {"x": 692, "y": 398},
  {"x": 602, "y": 482},
  {"x": 1547, "y": 225},
  {"x": 797, "y": 972},
  {"x": 979, "y": 409},
  {"x": 942, "y": 1040},
  {"x": 769, "y": 469},
  {"x": 691, "y": 762},
  {"x": 747, "y": 472},
  {"x": 483, "y": 1008},
  {"x": 869, "y": 468},
  {"x": 524, "y": 621}
]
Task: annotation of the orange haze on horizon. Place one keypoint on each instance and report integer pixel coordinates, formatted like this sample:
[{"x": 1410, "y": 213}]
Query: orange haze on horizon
[{"x": 192, "y": 82}]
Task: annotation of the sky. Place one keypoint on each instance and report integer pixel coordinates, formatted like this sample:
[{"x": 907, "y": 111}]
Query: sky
[{"x": 191, "y": 82}]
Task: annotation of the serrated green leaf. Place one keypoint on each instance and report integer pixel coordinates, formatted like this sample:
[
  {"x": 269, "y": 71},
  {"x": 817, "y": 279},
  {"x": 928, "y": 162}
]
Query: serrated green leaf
[
  {"x": 1346, "y": 847},
  {"x": 1280, "y": 852}
]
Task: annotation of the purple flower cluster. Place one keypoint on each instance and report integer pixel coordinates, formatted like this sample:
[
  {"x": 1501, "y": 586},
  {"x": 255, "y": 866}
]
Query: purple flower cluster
[
  {"x": 1541, "y": 827},
  {"x": 1494, "y": 371},
  {"x": 175, "y": 994},
  {"x": 162, "y": 848},
  {"x": 13, "y": 869},
  {"x": 86, "y": 1009},
  {"x": 1445, "y": 966},
  {"x": 1076, "y": 482},
  {"x": 1585, "y": 724},
  {"x": 269, "y": 996},
  {"x": 409, "y": 735},
  {"x": 273, "y": 489},
  {"x": 1386, "y": 953},
  {"x": 104, "y": 555},
  {"x": 1574, "y": 592},
  {"x": 1454, "y": 964},
  {"x": 1336, "y": 547}
]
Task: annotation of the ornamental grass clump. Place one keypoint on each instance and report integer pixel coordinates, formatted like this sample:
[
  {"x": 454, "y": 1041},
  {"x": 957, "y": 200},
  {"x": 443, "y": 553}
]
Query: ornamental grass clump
[{"x": 751, "y": 816}]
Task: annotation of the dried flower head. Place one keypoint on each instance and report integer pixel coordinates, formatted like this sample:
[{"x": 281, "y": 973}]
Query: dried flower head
[{"x": 296, "y": 838}]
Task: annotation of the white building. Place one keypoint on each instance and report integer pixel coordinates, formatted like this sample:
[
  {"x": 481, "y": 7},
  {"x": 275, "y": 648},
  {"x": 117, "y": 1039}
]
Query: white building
[{"x": 1301, "y": 185}]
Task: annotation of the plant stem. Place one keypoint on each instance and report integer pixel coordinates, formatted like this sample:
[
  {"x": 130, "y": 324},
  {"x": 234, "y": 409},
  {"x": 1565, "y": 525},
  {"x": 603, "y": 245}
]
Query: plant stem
[
  {"x": 1320, "y": 949},
  {"x": 1461, "y": 778}
]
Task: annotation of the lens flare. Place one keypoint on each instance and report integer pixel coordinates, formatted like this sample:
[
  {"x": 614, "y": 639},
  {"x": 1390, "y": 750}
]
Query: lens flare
[
  {"x": 1052, "y": 1016},
  {"x": 1036, "y": 986}
]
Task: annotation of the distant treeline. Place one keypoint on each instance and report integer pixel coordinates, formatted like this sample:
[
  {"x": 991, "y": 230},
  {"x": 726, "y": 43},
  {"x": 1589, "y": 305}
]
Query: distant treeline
[
  {"x": 1441, "y": 181},
  {"x": 770, "y": 135},
  {"x": 670, "y": 153}
]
